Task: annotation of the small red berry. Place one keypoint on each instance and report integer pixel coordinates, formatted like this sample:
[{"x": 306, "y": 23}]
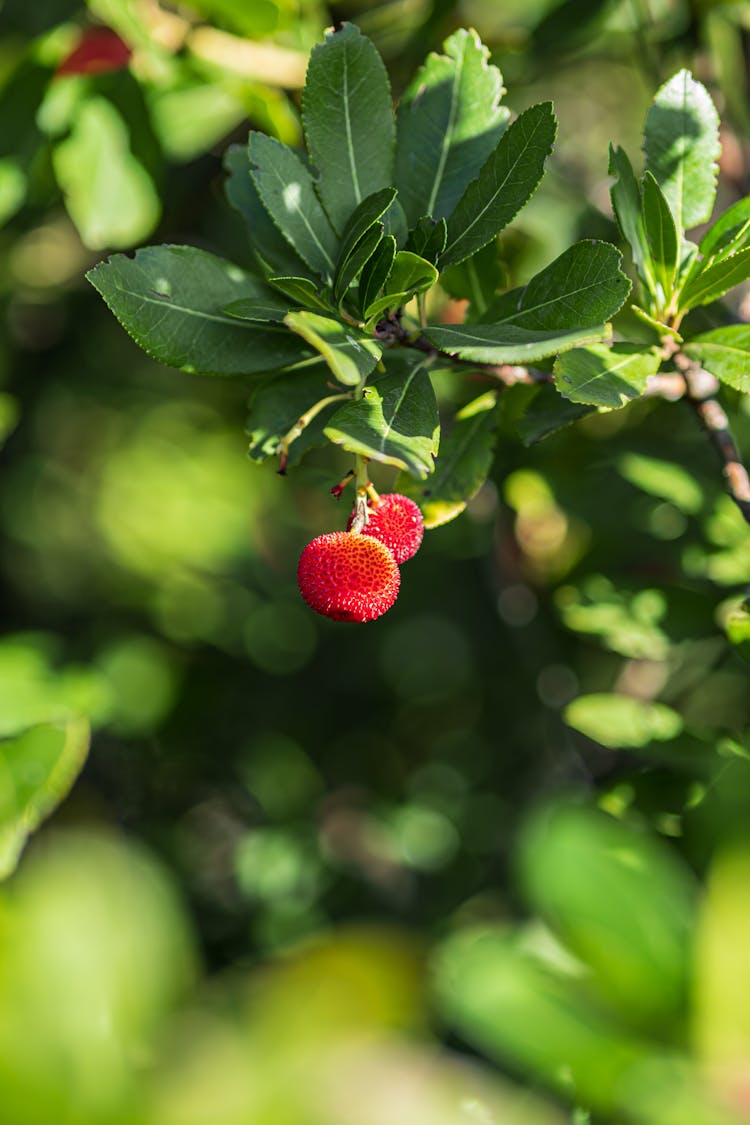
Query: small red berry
[
  {"x": 348, "y": 577},
  {"x": 98, "y": 50},
  {"x": 396, "y": 521}
]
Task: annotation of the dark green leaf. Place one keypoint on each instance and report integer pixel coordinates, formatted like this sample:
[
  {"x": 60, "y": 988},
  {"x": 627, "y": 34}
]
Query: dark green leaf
[
  {"x": 396, "y": 422},
  {"x": 375, "y": 272},
  {"x": 728, "y": 234},
  {"x": 716, "y": 280},
  {"x": 395, "y": 223},
  {"x": 476, "y": 279},
  {"x": 348, "y": 120},
  {"x": 546, "y": 414},
  {"x": 636, "y": 936},
  {"x": 725, "y": 352},
  {"x": 505, "y": 184},
  {"x": 625, "y": 194},
  {"x": 428, "y": 238},
  {"x": 37, "y": 770},
  {"x": 286, "y": 189},
  {"x": 462, "y": 467},
  {"x": 661, "y": 234},
  {"x": 265, "y": 237},
  {"x": 360, "y": 254},
  {"x": 171, "y": 301},
  {"x": 256, "y": 308},
  {"x": 681, "y": 143},
  {"x": 279, "y": 403},
  {"x": 509, "y": 343},
  {"x": 449, "y": 121},
  {"x": 303, "y": 291},
  {"x": 350, "y": 354},
  {"x": 362, "y": 219},
  {"x": 410, "y": 275},
  {"x": 605, "y": 376}
]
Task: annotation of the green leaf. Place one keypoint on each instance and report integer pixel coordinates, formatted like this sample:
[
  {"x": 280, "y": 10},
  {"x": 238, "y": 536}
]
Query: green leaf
[
  {"x": 110, "y": 196},
  {"x": 359, "y": 256},
  {"x": 348, "y": 121},
  {"x": 476, "y": 279},
  {"x": 505, "y": 184},
  {"x": 286, "y": 190},
  {"x": 681, "y": 143},
  {"x": 462, "y": 467},
  {"x": 620, "y": 901},
  {"x": 449, "y": 121},
  {"x": 520, "y": 1011},
  {"x": 37, "y": 770},
  {"x": 725, "y": 352},
  {"x": 605, "y": 376},
  {"x": 716, "y": 280},
  {"x": 258, "y": 308},
  {"x": 410, "y": 275},
  {"x": 729, "y": 233},
  {"x": 350, "y": 354},
  {"x": 584, "y": 286},
  {"x": 279, "y": 403},
  {"x": 375, "y": 273},
  {"x": 621, "y": 721},
  {"x": 363, "y": 218},
  {"x": 547, "y": 413},
  {"x": 625, "y": 194},
  {"x": 171, "y": 301},
  {"x": 661, "y": 234},
  {"x": 396, "y": 422},
  {"x": 265, "y": 237},
  {"x": 428, "y": 238},
  {"x": 302, "y": 291},
  {"x": 663, "y": 479},
  {"x": 509, "y": 343}
]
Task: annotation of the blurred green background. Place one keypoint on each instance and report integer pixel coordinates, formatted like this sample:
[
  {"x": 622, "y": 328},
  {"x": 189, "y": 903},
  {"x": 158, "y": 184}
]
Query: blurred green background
[{"x": 303, "y": 877}]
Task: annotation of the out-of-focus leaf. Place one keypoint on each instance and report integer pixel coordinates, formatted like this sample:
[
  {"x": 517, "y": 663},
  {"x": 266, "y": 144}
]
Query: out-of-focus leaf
[
  {"x": 547, "y": 413},
  {"x": 462, "y": 467},
  {"x": 190, "y": 119},
  {"x": 287, "y": 192},
  {"x": 9, "y": 413},
  {"x": 449, "y": 121},
  {"x": 505, "y": 184},
  {"x": 171, "y": 301},
  {"x": 682, "y": 148},
  {"x": 350, "y": 354},
  {"x": 605, "y": 376},
  {"x": 348, "y": 120},
  {"x": 12, "y": 187},
  {"x": 37, "y": 770},
  {"x": 621, "y": 721},
  {"x": 620, "y": 901},
  {"x": 477, "y": 279},
  {"x": 725, "y": 352},
  {"x": 396, "y": 422},
  {"x": 109, "y": 194},
  {"x": 664, "y": 479}
]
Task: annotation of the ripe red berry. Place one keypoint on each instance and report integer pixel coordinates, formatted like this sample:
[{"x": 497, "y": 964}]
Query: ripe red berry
[
  {"x": 396, "y": 521},
  {"x": 99, "y": 49},
  {"x": 348, "y": 577}
]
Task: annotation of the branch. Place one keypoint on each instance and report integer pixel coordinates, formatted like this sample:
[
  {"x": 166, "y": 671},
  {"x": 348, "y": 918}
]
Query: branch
[{"x": 701, "y": 387}]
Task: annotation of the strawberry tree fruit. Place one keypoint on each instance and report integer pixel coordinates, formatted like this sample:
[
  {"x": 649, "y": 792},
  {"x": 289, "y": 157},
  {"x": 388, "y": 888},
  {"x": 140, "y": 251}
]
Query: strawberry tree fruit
[
  {"x": 348, "y": 576},
  {"x": 395, "y": 520}
]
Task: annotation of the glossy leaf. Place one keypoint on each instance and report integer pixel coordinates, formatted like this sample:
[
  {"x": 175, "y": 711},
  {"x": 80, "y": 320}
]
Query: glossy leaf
[
  {"x": 375, "y": 273},
  {"x": 286, "y": 190},
  {"x": 275, "y": 253},
  {"x": 681, "y": 143},
  {"x": 428, "y": 238},
  {"x": 619, "y": 900},
  {"x": 462, "y": 467},
  {"x": 449, "y": 121},
  {"x": 508, "y": 342},
  {"x": 302, "y": 291},
  {"x": 730, "y": 233},
  {"x": 279, "y": 403},
  {"x": 716, "y": 280},
  {"x": 604, "y": 375},
  {"x": 360, "y": 254},
  {"x": 409, "y": 275},
  {"x": 348, "y": 121},
  {"x": 725, "y": 352},
  {"x": 505, "y": 184},
  {"x": 396, "y": 422},
  {"x": 350, "y": 354},
  {"x": 362, "y": 220},
  {"x": 261, "y": 309},
  {"x": 625, "y": 194},
  {"x": 661, "y": 234},
  {"x": 171, "y": 301},
  {"x": 37, "y": 770}
]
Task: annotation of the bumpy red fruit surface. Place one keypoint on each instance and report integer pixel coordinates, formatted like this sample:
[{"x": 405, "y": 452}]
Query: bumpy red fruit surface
[
  {"x": 396, "y": 521},
  {"x": 348, "y": 577}
]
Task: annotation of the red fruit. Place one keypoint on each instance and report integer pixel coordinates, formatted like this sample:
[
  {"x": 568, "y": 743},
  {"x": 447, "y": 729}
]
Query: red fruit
[
  {"x": 396, "y": 521},
  {"x": 99, "y": 49},
  {"x": 348, "y": 577}
]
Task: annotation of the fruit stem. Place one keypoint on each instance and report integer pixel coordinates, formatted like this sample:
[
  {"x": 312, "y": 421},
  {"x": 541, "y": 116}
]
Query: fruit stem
[{"x": 359, "y": 523}]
